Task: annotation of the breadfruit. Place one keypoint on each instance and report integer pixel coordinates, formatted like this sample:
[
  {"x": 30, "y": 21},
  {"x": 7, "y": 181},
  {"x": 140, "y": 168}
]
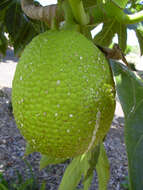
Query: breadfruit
[{"x": 63, "y": 94}]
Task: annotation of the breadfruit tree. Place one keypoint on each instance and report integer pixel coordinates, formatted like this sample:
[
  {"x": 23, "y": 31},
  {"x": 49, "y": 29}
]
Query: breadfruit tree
[{"x": 66, "y": 81}]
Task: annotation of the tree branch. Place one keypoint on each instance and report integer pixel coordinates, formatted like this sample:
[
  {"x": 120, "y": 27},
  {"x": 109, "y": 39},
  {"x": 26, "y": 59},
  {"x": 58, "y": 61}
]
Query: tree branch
[
  {"x": 41, "y": 13},
  {"x": 114, "y": 53}
]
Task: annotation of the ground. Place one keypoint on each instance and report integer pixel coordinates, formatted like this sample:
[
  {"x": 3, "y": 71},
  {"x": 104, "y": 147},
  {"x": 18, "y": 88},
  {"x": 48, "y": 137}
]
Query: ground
[{"x": 12, "y": 144}]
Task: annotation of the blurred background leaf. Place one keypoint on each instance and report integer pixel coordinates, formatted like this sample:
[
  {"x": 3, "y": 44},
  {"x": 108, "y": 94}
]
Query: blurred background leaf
[
  {"x": 18, "y": 26},
  {"x": 3, "y": 40}
]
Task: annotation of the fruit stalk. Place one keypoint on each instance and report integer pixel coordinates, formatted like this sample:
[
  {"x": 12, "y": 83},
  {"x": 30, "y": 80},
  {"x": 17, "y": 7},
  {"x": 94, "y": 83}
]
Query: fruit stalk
[
  {"x": 70, "y": 23},
  {"x": 78, "y": 11}
]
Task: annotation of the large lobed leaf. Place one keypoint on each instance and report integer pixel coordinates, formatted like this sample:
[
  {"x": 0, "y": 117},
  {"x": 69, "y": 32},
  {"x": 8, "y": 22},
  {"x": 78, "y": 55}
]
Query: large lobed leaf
[
  {"x": 20, "y": 28},
  {"x": 105, "y": 36},
  {"x": 122, "y": 36},
  {"x": 110, "y": 28},
  {"x": 121, "y": 3},
  {"x": 130, "y": 91}
]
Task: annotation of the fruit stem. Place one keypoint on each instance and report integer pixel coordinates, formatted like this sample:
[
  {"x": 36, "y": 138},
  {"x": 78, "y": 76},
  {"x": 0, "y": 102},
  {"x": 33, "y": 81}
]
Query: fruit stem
[
  {"x": 68, "y": 12},
  {"x": 78, "y": 11},
  {"x": 70, "y": 23}
]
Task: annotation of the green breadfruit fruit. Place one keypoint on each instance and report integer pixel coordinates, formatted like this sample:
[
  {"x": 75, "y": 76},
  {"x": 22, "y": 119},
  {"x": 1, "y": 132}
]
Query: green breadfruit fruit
[{"x": 63, "y": 94}]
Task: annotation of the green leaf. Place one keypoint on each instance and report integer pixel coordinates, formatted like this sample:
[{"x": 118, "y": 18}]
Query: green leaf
[
  {"x": 102, "y": 168},
  {"x": 124, "y": 79},
  {"x": 88, "y": 175},
  {"x": 3, "y": 42},
  {"x": 3, "y": 181},
  {"x": 18, "y": 26},
  {"x": 89, "y": 3},
  {"x": 110, "y": 28},
  {"x": 46, "y": 160},
  {"x": 13, "y": 18},
  {"x": 4, "y": 4},
  {"x": 92, "y": 162},
  {"x": 120, "y": 3},
  {"x": 72, "y": 175},
  {"x": 25, "y": 35},
  {"x": 20, "y": 178},
  {"x": 87, "y": 183},
  {"x": 43, "y": 186},
  {"x": 139, "y": 33},
  {"x": 122, "y": 36},
  {"x": 78, "y": 167},
  {"x": 105, "y": 36},
  {"x": 130, "y": 91},
  {"x": 2, "y": 187},
  {"x": 27, "y": 184}
]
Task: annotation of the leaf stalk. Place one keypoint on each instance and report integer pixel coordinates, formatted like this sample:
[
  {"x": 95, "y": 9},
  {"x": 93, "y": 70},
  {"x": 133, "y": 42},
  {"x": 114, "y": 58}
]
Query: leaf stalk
[{"x": 102, "y": 12}]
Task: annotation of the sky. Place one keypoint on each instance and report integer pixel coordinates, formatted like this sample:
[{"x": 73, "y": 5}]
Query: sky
[
  {"x": 47, "y": 2},
  {"x": 131, "y": 40}
]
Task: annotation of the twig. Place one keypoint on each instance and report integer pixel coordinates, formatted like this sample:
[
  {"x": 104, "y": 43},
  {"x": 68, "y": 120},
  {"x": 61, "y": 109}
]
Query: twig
[{"x": 114, "y": 53}]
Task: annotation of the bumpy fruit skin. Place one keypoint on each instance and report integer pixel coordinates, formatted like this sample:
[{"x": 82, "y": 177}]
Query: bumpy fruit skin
[{"x": 63, "y": 94}]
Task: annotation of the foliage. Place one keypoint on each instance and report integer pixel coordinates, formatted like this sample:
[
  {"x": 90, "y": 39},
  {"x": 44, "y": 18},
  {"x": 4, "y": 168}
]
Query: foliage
[
  {"x": 125, "y": 183},
  {"x": 20, "y": 183},
  {"x": 19, "y": 27},
  {"x": 131, "y": 101},
  {"x": 83, "y": 167}
]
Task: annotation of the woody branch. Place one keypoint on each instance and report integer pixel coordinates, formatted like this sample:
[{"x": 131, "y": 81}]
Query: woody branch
[{"x": 42, "y": 13}]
